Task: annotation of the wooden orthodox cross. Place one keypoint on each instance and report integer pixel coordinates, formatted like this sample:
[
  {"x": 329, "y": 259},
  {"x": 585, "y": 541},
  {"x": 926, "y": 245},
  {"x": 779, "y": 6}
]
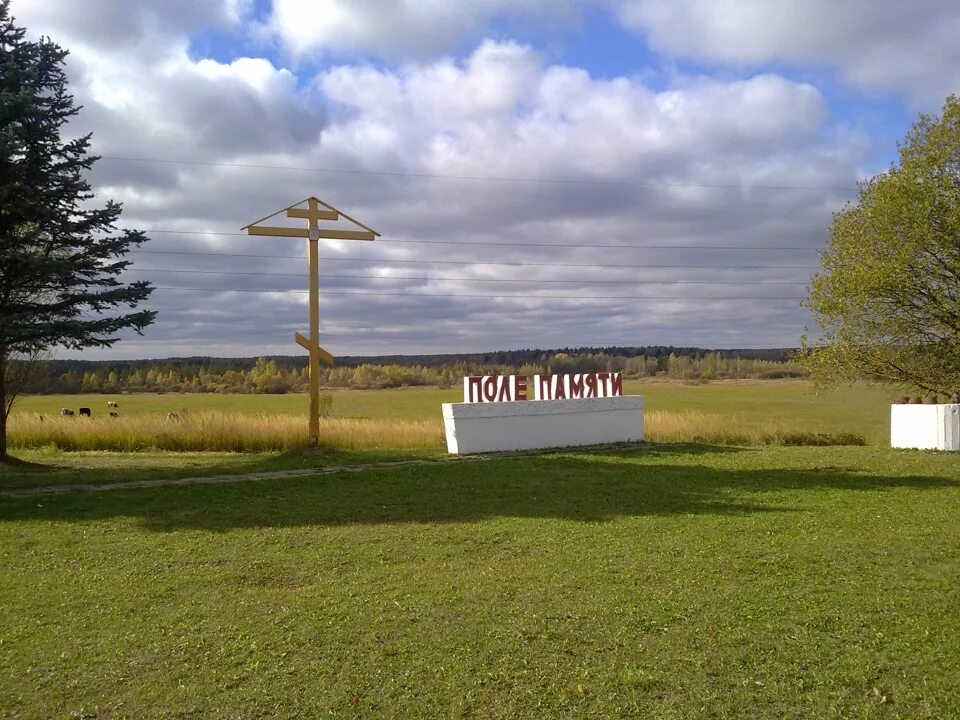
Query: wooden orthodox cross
[{"x": 313, "y": 213}]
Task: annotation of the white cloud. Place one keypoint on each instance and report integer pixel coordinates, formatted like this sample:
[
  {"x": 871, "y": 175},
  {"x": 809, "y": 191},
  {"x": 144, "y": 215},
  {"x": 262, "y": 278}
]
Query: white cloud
[
  {"x": 654, "y": 161},
  {"x": 500, "y": 113},
  {"x": 880, "y": 46},
  {"x": 399, "y": 28},
  {"x": 113, "y": 23},
  {"x": 132, "y": 69}
]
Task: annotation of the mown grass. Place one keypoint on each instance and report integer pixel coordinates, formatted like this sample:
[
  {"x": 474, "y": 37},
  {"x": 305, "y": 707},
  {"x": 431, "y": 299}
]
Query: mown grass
[{"x": 668, "y": 582}]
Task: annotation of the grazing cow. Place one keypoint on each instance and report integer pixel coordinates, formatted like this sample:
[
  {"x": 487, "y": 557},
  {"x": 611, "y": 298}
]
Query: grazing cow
[
  {"x": 113, "y": 414},
  {"x": 66, "y": 412},
  {"x": 85, "y": 412},
  {"x": 173, "y": 417},
  {"x": 112, "y": 404}
]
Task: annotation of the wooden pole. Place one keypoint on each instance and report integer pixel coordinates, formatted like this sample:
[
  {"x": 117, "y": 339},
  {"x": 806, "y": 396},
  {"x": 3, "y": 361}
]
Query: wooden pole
[{"x": 313, "y": 261}]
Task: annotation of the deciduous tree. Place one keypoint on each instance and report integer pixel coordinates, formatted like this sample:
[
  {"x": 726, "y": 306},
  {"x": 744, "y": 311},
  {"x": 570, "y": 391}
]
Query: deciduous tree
[{"x": 888, "y": 295}]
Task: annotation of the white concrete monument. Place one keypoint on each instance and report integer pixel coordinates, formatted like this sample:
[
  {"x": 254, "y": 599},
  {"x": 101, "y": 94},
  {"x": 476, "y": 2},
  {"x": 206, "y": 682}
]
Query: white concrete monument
[
  {"x": 568, "y": 410},
  {"x": 925, "y": 427}
]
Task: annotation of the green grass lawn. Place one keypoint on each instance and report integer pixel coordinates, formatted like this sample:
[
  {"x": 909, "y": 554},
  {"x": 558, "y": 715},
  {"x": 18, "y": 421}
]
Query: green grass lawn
[
  {"x": 861, "y": 409},
  {"x": 659, "y": 582}
]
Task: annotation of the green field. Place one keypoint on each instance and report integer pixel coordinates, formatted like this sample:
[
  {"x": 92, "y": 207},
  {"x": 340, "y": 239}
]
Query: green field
[
  {"x": 860, "y": 409},
  {"x": 669, "y": 582}
]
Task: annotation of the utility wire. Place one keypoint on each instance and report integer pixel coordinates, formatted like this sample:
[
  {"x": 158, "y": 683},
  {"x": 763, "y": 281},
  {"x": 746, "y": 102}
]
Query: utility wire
[
  {"x": 517, "y": 297},
  {"x": 390, "y": 241},
  {"x": 483, "y": 262},
  {"x": 480, "y": 280},
  {"x": 483, "y": 178}
]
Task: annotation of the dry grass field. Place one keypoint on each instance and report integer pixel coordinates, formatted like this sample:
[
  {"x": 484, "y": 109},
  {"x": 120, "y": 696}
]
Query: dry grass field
[
  {"x": 728, "y": 413},
  {"x": 215, "y": 431},
  {"x": 218, "y": 431}
]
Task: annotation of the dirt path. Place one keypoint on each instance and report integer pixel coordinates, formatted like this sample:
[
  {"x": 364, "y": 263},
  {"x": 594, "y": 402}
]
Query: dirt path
[{"x": 222, "y": 479}]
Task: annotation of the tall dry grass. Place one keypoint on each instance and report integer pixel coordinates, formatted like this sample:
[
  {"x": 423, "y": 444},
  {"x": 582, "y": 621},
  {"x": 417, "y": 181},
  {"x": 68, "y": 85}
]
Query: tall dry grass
[
  {"x": 721, "y": 429},
  {"x": 239, "y": 432},
  {"x": 216, "y": 431}
]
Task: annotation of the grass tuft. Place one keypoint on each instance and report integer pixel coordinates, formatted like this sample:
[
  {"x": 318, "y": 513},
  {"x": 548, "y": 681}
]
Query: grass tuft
[{"x": 821, "y": 439}]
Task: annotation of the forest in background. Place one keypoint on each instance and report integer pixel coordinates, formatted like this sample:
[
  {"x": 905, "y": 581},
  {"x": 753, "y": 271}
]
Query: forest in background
[{"x": 283, "y": 374}]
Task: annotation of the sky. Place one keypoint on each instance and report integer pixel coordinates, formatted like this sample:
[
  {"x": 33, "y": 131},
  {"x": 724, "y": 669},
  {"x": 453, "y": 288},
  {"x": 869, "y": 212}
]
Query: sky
[{"x": 543, "y": 173}]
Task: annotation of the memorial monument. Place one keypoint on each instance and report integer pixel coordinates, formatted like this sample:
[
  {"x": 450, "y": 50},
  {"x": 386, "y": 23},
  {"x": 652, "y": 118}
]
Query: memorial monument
[
  {"x": 566, "y": 410},
  {"x": 313, "y": 213}
]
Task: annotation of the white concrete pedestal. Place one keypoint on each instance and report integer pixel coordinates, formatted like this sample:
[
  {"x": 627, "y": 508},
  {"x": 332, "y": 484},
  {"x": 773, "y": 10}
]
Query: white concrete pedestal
[
  {"x": 925, "y": 427},
  {"x": 532, "y": 424}
]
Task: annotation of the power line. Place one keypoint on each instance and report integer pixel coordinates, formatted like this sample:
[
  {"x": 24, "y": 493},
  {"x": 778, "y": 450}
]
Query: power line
[
  {"x": 327, "y": 334},
  {"x": 485, "y": 262},
  {"x": 518, "y": 245},
  {"x": 483, "y": 178},
  {"x": 481, "y": 280},
  {"x": 517, "y": 297}
]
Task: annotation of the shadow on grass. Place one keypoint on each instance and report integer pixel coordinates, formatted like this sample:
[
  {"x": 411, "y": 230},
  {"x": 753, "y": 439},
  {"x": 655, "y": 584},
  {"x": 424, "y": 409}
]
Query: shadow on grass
[
  {"x": 11, "y": 463},
  {"x": 99, "y": 468},
  {"x": 655, "y": 449},
  {"x": 567, "y": 486}
]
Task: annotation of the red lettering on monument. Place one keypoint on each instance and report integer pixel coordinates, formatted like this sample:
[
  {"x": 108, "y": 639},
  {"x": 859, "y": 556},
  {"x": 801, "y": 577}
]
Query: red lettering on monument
[
  {"x": 509, "y": 388},
  {"x": 473, "y": 391},
  {"x": 490, "y": 388},
  {"x": 544, "y": 385},
  {"x": 602, "y": 383},
  {"x": 576, "y": 386},
  {"x": 520, "y": 387},
  {"x": 560, "y": 390},
  {"x": 590, "y": 381},
  {"x": 616, "y": 385}
]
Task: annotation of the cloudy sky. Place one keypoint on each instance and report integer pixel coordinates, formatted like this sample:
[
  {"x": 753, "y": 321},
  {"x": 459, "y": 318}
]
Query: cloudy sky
[{"x": 543, "y": 173}]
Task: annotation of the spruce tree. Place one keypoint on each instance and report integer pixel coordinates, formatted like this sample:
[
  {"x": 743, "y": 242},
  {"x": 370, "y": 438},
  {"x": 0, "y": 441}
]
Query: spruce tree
[{"x": 61, "y": 256}]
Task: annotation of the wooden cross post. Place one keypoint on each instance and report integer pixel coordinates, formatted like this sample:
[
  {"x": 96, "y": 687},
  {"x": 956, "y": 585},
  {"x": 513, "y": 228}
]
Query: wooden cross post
[{"x": 313, "y": 214}]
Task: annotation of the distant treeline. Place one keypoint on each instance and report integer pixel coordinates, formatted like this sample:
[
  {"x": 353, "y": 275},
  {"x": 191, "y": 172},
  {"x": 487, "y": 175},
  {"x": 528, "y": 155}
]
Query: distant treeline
[{"x": 289, "y": 374}]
